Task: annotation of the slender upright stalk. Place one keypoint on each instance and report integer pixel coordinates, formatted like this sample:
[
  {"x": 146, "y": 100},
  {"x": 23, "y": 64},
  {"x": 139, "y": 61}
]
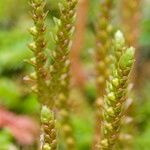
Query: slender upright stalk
[
  {"x": 41, "y": 87},
  {"x": 38, "y": 47},
  {"x": 60, "y": 68},
  {"x": 130, "y": 11},
  {"x": 48, "y": 137},
  {"x": 77, "y": 68},
  {"x": 103, "y": 42},
  {"x": 116, "y": 92}
]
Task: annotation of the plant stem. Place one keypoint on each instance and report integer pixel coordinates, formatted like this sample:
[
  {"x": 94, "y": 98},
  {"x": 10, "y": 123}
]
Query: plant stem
[
  {"x": 116, "y": 92},
  {"x": 103, "y": 43},
  {"x": 48, "y": 129},
  {"x": 60, "y": 68},
  {"x": 38, "y": 46}
]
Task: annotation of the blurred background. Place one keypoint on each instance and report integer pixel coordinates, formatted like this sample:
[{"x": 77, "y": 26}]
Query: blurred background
[{"x": 19, "y": 108}]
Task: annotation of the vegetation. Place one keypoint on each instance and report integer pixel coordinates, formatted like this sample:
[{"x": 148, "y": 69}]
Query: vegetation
[
  {"x": 42, "y": 106},
  {"x": 116, "y": 92}
]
